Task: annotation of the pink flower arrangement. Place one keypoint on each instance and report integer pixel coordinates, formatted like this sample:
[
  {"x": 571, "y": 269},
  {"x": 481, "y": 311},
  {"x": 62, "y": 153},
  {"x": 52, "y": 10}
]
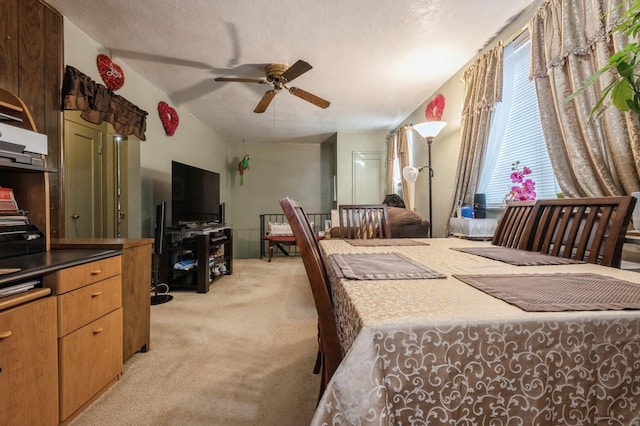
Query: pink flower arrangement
[{"x": 526, "y": 190}]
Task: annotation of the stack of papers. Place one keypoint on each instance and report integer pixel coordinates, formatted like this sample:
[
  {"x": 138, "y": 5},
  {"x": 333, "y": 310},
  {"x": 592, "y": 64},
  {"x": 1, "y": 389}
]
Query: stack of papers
[{"x": 10, "y": 215}]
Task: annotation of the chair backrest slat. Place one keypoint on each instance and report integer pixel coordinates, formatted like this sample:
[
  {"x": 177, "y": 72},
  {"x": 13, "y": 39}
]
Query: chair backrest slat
[
  {"x": 512, "y": 223},
  {"x": 364, "y": 221}
]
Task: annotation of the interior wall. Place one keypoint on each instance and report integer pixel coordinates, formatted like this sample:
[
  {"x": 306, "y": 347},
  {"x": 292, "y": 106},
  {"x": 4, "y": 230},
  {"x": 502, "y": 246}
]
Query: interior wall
[
  {"x": 193, "y": 142},
  {"x": 348, "y": 143},
  {"x": 276, "y": 170},
  {"x": 445, "y": 148},
  {"x": 299, "y": 170}
]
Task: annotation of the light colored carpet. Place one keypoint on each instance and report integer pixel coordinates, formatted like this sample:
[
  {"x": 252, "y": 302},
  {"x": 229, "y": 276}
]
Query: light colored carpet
[{"x": 241, "y": 354}]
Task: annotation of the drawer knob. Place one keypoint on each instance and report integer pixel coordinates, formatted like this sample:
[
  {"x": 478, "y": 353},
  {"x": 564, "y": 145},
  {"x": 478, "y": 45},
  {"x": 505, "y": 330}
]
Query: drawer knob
[
  {"x": 96, "y": 272},
  {"x": 98, "y": 330},
  {"x": 96, "y": 294},
  {"x": 5, "y": 334}
]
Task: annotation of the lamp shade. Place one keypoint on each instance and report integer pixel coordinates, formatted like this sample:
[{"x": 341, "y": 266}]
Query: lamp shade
[
  {"x": 410, "y": 174},
  {"x": 429, "y": 129}
]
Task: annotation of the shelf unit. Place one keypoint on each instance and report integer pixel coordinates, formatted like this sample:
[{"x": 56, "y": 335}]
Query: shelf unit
[
  {"x": 28, "y": 347},
  {"x": 209, "y": 252},
  {"x": 30, "y": 183}
]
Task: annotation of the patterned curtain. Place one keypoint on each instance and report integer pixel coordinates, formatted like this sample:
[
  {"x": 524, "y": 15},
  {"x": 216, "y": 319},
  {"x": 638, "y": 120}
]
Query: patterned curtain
[
  {"x": 391, "y": 156},
  {"x": 402, "y": 147},
  {"x": 483, "y": 88},
  {"x": 569, "y": 42}
]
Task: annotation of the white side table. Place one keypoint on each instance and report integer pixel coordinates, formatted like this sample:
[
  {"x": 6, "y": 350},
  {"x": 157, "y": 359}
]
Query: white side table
[{"x": 481, "y": 229}]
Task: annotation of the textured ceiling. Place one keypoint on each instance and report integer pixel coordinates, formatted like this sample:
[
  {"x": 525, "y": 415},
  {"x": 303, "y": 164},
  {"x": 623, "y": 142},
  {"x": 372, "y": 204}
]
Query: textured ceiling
[{"x": 376, "y": 61}]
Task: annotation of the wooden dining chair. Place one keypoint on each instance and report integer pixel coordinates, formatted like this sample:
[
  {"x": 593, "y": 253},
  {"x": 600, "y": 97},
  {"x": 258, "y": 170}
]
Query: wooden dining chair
[
  {"x": 591, "y": 229},
  {"x": 329, "y": 342},
  {"x": 512, "y": 223},
  {"x": 364, "y": 221}
]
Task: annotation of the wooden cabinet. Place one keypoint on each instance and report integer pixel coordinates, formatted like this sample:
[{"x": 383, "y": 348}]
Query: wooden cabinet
[
  {"x": 31, "y": 67},
  {"x": 29, "y": 364},
  {"x": 136, "y": 285},
  {"x": 89, "y": 331},
  {"x": 205, "y": 255}
]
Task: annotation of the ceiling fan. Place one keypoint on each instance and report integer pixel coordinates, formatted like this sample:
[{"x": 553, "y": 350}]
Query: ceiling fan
[{"x": 279, "y": 75}]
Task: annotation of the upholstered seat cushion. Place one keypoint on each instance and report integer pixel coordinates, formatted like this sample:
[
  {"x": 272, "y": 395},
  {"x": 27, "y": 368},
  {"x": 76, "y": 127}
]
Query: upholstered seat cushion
[
  {"x": 407, "y": 223},
  {"x": 404, "y": 224}
]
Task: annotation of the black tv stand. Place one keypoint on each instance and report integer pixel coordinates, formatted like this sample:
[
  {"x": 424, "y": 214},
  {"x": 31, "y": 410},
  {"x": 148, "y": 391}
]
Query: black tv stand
[{"x": 207, "y": 252}]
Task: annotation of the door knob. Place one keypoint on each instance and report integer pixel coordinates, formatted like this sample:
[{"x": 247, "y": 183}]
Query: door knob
[
  {"x": 75, "y": 216},
  {"x": 122, "y": 215}
]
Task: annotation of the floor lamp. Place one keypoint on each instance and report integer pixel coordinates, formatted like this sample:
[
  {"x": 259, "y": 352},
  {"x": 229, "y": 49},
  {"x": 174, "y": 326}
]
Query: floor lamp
[{"x": 428, "y": 130}]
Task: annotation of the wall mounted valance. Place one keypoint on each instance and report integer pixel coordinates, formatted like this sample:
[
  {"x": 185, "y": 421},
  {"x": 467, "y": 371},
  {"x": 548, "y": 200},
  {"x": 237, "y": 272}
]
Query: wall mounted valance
[{"x": 98, "y": 104}]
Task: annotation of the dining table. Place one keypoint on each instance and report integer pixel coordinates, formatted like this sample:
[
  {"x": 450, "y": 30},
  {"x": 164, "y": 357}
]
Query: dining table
[{"x": 452, "y": 331}]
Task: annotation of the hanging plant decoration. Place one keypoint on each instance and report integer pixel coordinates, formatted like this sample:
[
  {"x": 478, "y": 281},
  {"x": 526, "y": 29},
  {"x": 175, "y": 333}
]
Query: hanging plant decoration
[
  {"x": 110, "y": 72},
  {"x": 435, "y": 108},
  {"x": 169, "y": 118},
  {"x": 243, "y": 165}
]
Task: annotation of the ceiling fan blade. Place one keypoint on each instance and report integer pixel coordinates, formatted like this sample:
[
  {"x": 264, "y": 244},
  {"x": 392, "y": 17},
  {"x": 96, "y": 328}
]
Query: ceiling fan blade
[
  {"x": 265, "y": 101},
  {"x": 242, "y": 80},
  {"x": 317, "y": 101},
  {"x": 296, "y": 70}
]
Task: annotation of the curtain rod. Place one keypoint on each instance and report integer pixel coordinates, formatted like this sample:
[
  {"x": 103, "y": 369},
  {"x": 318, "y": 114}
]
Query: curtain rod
[
  {"x": 516, "y": 35},
  {"x": 399, "y": 127}
]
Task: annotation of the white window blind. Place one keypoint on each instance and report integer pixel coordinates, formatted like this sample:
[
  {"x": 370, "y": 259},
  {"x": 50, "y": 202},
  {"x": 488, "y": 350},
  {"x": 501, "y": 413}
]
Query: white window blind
[{"x": 516, "y": 132}]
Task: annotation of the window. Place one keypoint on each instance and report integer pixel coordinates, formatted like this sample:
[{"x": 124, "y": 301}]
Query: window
[{"x": 516, "y": 132}]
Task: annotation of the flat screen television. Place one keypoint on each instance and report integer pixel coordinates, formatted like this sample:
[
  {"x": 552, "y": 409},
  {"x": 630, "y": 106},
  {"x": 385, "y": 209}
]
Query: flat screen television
[{"x": 195, "y": 194}]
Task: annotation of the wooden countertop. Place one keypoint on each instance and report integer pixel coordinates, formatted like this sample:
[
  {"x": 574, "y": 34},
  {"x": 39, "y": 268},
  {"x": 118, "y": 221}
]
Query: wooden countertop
[
  {"x": 107, "y": 243},
  {"x": 36, "y": 264}
]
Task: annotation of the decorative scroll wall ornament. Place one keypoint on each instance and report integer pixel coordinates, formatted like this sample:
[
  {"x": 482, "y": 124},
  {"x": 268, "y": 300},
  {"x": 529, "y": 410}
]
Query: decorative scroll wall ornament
[
  {"x": 169, "y": 118},
  {"x": 111, "y": 73},
  {"x": 98, "y": 104}
]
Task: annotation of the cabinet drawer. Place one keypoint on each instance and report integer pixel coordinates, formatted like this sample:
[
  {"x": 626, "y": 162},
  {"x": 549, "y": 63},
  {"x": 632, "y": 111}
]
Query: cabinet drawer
[
  {"x": 79, "y": 307},
  {"x": 90, "y": 358},
  {"x": 75, "y": 277},
  {"x": 28, "y": 364}
]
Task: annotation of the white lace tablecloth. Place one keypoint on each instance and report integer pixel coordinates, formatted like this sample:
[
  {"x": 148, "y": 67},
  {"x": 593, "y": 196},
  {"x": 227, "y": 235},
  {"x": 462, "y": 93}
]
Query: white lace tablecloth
[{"x": 438, "y": 351}]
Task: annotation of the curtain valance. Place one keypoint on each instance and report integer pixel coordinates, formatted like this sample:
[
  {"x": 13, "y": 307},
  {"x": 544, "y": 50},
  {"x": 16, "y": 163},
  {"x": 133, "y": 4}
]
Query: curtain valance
[{"x": 98, "y": 104}]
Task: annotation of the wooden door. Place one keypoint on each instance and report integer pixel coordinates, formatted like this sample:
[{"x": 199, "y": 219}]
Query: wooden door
[{"x": 83, "y": 181}]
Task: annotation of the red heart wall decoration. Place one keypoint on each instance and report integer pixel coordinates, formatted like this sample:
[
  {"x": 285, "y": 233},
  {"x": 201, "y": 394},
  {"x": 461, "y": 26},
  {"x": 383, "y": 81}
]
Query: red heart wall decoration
[
  {"x": 110, "y": 72},
  {"x": 169, "y": 118},
  {"x": 435, "y": 108}
]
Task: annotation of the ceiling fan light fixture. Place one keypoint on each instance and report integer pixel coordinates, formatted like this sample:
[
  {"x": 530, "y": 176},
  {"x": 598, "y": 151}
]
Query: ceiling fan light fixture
[{"x": 279, "y": 75}]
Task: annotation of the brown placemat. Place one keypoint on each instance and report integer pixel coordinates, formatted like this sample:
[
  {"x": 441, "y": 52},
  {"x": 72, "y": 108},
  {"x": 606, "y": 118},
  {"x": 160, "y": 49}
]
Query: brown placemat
[
  {"x": 380, "y": 242},
  {"x": 516, "y": 257},
  {"x": 558, "y": 292},
  {"x": 380, "y": 266}
]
